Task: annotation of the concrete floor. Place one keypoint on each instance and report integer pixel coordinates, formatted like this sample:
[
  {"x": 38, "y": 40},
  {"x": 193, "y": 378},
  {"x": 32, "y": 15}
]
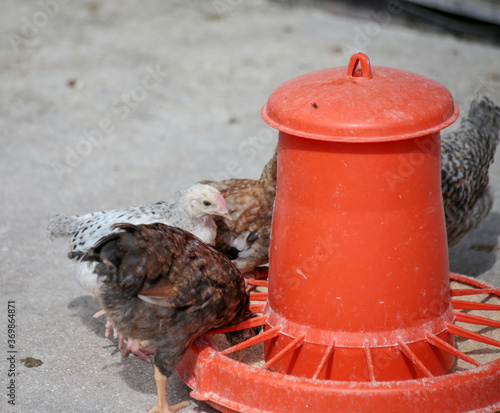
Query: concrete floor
[{"x": 110, "y": 104}]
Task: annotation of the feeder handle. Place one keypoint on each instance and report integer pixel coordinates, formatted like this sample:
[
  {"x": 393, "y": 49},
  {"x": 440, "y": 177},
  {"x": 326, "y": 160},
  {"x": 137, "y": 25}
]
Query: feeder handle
[{"x": 363, "y": 73}]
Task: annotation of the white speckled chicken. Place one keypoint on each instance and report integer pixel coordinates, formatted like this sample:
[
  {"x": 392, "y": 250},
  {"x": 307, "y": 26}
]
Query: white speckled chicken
[
  {"x": 246, "y": 238},
  {"x": 193, "y": 212},
  {"x": 466, "y": 155}
]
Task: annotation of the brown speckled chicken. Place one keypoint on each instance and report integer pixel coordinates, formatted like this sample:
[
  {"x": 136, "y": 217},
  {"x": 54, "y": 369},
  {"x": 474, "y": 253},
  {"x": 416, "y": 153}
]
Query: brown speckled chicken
[
  {"x": 245, "y": 239},
  {"x": 164, "y": 285},
  {"x": 466, "y": 155}
]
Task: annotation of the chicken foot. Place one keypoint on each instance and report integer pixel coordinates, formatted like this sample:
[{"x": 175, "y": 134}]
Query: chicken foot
[
  {"x": 162, "y": 404},
  {"x": 133, "y": 346}
]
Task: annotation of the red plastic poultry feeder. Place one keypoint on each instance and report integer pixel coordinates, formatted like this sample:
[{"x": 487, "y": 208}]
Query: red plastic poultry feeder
[{"x": 359, "y": 315}]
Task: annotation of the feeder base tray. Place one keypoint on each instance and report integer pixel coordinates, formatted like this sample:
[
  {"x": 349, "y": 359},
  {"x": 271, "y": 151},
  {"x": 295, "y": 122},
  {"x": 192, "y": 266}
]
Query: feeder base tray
[{"x": 218, "y": 378}]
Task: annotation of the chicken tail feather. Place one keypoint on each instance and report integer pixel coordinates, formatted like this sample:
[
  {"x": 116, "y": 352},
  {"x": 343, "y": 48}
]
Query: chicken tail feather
[
  {"x": 60, "y": 226},
  {"x": 485, "y": 116}
]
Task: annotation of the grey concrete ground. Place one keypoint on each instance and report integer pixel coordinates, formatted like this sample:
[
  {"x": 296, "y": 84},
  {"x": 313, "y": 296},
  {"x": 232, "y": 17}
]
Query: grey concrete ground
[{"x": 105, "y": 104}]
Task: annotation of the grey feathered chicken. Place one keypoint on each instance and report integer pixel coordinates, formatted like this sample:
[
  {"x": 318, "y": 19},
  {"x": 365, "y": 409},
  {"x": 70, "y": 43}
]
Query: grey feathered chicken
[
  {"x": 193, "y": 211},
  {"x": 164, "y": 285},
  {"x": 246, "y": 237},
  {"x": 466, "y": 155}
]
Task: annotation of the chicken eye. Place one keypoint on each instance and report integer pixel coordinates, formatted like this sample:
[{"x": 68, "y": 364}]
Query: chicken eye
[{"x": 207, "y": 203}]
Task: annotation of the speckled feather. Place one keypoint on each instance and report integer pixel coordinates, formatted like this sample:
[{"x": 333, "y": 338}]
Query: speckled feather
[
  {"x": 246, "y": 238},
  {"x": 164, "y": 285},
  {"x": 86, "y": 230},
  {"x": 466, "y": 155}
]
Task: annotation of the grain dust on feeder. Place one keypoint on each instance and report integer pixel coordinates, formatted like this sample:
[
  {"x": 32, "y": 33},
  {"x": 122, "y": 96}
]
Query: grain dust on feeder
[{"x": 359, "y": 315}]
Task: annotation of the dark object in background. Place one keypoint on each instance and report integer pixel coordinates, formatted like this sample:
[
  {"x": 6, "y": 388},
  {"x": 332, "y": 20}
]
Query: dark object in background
[{"x": 484, "y": 10}]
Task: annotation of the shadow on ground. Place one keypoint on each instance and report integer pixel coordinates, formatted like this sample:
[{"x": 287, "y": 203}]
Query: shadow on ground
[
  {"x": 477, "y": 252},
  {"x": 136, "y": 373}
]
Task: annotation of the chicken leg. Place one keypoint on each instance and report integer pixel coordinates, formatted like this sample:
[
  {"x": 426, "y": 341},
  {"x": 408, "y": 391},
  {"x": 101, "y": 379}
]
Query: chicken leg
[{"x": 162, "y": 404}]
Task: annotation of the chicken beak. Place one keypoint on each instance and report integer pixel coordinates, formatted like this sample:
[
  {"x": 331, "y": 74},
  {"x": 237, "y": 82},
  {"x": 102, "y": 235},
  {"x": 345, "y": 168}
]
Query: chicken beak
[{"x": 225, "y": 214}]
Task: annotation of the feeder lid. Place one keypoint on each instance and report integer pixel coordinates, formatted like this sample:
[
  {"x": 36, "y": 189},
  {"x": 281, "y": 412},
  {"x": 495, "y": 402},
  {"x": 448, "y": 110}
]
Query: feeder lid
[{"x": 360, "y": 104}]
